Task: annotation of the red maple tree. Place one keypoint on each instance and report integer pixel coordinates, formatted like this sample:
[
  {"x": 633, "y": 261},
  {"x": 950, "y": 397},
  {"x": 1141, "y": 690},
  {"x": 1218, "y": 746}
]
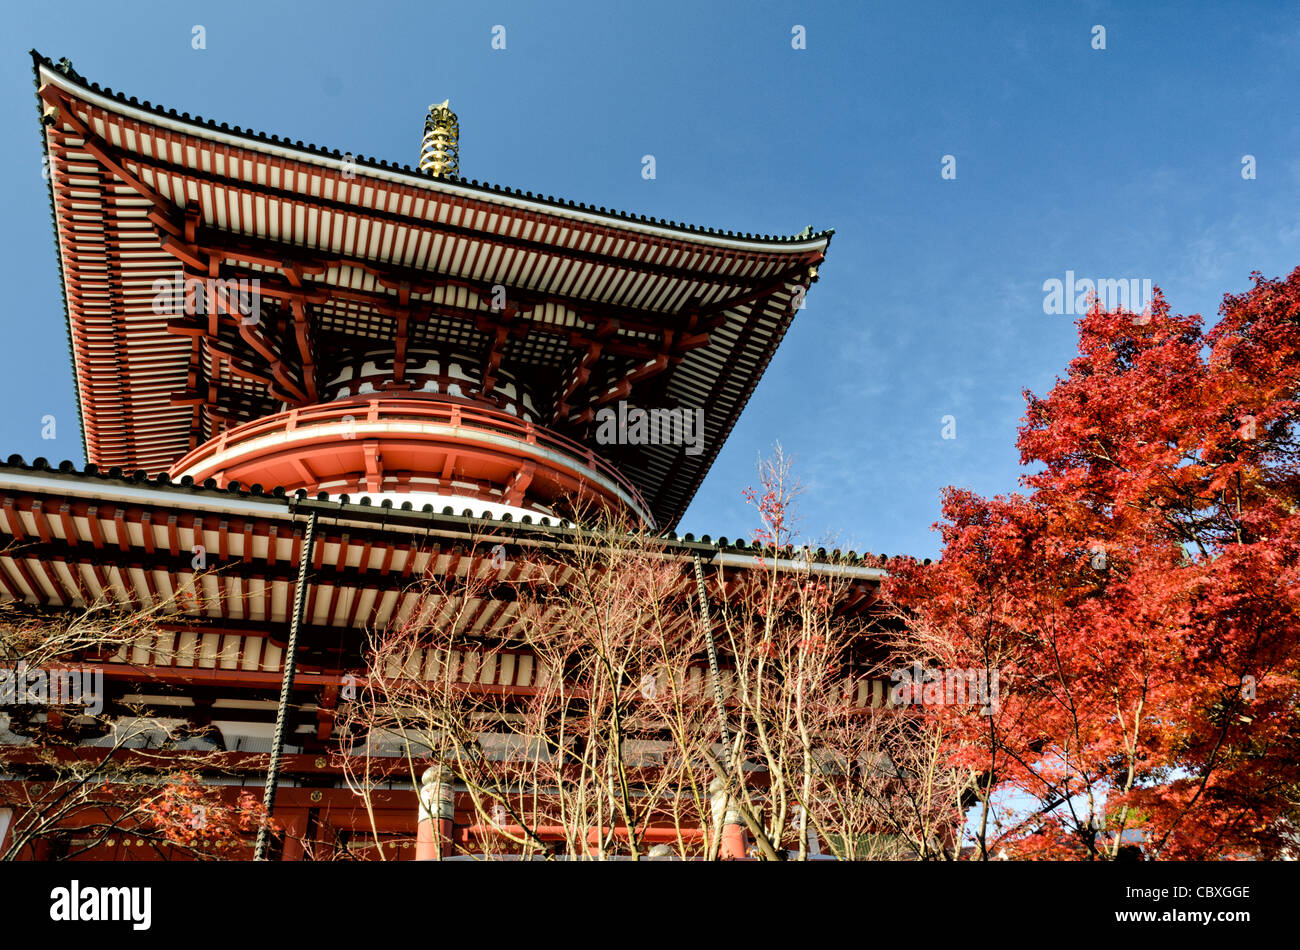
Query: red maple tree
[
  {"x": 1141, "y": 601},
  {"x": 191, "y": 815}
]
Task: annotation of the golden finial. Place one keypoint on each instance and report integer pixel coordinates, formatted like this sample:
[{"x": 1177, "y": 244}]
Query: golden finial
[{"x": 440, "y": 149}]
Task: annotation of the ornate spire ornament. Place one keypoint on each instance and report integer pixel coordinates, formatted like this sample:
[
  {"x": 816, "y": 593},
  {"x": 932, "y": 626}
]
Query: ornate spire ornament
[{"x": 440, "y": 148}]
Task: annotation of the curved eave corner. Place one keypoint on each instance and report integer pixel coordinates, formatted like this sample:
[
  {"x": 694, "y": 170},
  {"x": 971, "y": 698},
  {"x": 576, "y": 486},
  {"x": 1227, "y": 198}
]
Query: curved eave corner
[{"x": 38, "y": 60}]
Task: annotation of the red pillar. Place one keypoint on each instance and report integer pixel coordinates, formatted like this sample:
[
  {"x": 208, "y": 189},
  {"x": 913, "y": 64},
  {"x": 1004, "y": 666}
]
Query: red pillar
[
  {"x": 41, "y": 849},
  {"x": 295, "y": 826},
  {"x": 436, "y": 810}
]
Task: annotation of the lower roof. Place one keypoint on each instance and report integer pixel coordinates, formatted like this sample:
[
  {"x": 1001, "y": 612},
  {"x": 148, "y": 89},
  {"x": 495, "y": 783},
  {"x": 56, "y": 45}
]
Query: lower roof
[{"x": 71, "y": 538}]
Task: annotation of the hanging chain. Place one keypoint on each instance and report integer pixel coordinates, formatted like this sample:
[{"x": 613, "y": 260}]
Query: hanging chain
[
  {"x": 286, "y": 689},
  {"x": 713, "y": 661}
]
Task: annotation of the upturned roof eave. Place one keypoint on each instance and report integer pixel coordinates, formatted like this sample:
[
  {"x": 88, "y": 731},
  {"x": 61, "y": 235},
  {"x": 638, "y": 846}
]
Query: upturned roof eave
[
  {"x": 38, "y": 60},
  {"x": 274, "y": 145}
]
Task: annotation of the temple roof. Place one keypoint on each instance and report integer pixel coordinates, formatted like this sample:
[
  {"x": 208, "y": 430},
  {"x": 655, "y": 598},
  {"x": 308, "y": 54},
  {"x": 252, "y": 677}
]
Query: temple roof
[
  {"x": 69, "y": 538},
  {"x": 351, "y": 253}
]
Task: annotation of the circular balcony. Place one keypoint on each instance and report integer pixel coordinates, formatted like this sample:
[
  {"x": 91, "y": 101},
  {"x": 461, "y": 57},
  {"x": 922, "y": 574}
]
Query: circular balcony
[{"x": 408, "y": 444}]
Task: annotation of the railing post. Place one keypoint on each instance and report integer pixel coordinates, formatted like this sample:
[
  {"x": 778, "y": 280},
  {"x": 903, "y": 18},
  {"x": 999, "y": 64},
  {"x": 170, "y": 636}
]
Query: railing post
[
  {"x": 433, "y": 840},
  {"x": 725, "y": 815}
]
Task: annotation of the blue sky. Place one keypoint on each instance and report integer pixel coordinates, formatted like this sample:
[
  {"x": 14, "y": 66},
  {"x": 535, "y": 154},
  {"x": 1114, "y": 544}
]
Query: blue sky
[{"x": 1117, "y": 163}]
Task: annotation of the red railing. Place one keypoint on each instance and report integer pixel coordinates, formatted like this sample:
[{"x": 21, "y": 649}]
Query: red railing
[{"x": 389, "y": 408}]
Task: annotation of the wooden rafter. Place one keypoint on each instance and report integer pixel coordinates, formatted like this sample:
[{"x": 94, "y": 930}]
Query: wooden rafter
[{"x": 302, "y": 331}]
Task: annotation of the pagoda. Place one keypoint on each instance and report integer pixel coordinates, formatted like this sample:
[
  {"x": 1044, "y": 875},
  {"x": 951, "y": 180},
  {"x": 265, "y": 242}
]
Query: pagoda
[{"x": 306, "y": 379}]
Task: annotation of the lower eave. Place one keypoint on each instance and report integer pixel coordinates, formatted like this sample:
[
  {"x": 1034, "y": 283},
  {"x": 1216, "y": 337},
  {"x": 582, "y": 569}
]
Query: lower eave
[{"x": 69, "y": 539}]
